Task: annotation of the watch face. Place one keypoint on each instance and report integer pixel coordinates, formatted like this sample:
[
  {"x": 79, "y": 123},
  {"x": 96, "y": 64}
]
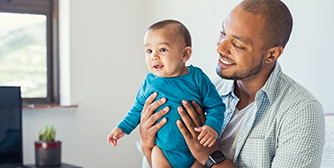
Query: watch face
[{"x": 218, "y": 156}]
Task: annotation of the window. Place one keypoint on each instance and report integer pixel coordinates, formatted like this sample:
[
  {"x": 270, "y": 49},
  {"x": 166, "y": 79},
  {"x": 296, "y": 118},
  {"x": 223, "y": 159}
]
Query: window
[{"x": 29, "y": 49}]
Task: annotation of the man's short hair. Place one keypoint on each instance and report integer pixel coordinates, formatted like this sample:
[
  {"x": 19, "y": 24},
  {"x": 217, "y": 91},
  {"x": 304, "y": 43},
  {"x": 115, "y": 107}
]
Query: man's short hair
[
  {"x": 278, "y": 20},
  {"x": 179, "y": 27}
]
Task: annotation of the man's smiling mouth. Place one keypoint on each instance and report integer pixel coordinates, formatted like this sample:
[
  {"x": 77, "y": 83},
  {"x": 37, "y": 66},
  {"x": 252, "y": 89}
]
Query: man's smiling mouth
[{"x": 225, "y": 62}]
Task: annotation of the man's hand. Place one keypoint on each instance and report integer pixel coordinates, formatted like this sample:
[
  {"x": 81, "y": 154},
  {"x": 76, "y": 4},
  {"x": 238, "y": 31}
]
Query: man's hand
[
  {"x": 148, "y": 126},
  {"x": 194, "y": 118}
]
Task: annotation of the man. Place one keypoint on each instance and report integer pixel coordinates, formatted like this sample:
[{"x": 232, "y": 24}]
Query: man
[{"x": 271, "y": 121}]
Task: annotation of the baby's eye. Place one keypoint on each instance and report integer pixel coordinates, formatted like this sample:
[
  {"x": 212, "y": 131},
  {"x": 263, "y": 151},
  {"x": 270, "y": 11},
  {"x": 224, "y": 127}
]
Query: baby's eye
[
  {"x": 162, "y": 50},
  {"x": 149, "y": 51}
]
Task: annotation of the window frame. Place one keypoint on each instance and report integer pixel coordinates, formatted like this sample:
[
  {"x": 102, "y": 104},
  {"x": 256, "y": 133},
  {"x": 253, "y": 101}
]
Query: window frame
[{"x": 49, "y": 8}]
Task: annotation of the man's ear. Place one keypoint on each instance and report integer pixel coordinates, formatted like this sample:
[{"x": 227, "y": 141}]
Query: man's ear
[
  {"x": 274, "y": 53},
  {"x": 187, "y": 54}
]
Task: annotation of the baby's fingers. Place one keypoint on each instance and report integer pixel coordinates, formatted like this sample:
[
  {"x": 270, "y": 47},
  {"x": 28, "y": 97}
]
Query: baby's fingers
[
  {"x": 109, "y": 138},
  {"x": 212, "y": 142},
  {"x": 205, "y": 139},
  {"x": 209, "y": 140},
  {"x": 198, "y": 129},
  {"x": 201, "y": 135},
  {"x": 114, "y": 142}
]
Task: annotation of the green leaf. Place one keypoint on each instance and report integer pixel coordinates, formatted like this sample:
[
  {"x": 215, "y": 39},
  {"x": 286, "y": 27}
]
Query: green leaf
[{"x": 49, "y": 134}]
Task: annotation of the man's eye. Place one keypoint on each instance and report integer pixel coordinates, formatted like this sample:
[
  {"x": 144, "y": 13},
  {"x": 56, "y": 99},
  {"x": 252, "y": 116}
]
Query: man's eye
[
  {"x": 149, "y": 51},
  {"x": 162, "y": 50},
  {"x": 222, "y": 33},
  {"x": 238, "y": 47}
]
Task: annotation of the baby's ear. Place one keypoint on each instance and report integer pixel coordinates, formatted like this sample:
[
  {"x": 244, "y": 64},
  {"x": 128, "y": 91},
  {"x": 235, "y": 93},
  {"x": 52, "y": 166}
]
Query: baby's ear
[{"x": 187, "y": 54}]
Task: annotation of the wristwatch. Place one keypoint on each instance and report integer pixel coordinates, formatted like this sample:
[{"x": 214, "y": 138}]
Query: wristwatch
[{"x": 214, "y": 158}]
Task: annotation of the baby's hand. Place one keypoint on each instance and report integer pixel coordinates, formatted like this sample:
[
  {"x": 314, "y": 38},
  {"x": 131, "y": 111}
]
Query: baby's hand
[
  {"x": 208, "y": 135},
  {"x": 114, "y": 135}
]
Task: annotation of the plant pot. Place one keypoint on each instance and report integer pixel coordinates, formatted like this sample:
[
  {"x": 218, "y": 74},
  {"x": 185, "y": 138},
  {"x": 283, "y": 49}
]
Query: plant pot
[{"x": 47, "y": 154}]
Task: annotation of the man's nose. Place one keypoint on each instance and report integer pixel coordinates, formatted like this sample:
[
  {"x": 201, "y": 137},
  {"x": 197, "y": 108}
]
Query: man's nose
[{"x": 223, "y": 46}]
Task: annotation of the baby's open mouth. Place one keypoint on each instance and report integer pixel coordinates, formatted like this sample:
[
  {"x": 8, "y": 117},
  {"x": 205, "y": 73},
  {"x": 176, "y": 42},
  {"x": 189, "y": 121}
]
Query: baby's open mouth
[{"x": 158, "y": 66}]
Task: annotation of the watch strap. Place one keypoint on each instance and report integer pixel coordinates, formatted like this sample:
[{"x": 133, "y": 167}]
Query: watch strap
[{"x": 209, "y": 163}]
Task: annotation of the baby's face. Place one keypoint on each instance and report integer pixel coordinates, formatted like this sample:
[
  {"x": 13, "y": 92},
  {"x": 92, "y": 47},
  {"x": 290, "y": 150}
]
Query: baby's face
[{"x": 165, "y": 52}]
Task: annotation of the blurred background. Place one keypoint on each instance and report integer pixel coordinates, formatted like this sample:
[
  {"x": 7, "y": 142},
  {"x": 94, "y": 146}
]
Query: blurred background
[{"x": 107, "y": 65}]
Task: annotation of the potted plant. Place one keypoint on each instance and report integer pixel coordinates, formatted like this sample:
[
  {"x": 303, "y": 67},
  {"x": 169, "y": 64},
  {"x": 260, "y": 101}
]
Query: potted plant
[{"x": 47, "y": 150}]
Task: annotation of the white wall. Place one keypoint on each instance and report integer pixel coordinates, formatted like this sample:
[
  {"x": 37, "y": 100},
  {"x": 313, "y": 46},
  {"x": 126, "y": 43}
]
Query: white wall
[
  {"x": 308, "y": 57},
  {"x": 107, "y": 65}
]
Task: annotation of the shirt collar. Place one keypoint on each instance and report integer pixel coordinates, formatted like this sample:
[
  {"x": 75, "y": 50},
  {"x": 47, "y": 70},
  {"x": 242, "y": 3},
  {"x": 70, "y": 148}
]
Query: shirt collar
[
  {"x": 228, "y": 88},
  {"x": 270, "y": 86}
]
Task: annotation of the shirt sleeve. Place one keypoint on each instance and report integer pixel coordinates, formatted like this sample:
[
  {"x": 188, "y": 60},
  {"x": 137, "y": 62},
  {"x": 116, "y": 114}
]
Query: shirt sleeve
[
  {"x": 212, "y": 104},
  {"x": 132, "y": 118},
  {"x": 301, "y": 138}
]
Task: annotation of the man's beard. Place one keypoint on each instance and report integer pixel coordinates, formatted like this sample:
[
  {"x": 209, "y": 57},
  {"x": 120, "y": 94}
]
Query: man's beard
[{"x": 242, "y": 74}]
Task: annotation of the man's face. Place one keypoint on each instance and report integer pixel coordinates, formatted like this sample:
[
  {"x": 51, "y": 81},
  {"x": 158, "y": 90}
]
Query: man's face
[
  {"x": 164, "y": 50},
  {"x": 240, "y": 47}
]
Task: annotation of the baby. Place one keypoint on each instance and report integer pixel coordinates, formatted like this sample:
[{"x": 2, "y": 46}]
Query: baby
[{"x": 168, "y": 48}]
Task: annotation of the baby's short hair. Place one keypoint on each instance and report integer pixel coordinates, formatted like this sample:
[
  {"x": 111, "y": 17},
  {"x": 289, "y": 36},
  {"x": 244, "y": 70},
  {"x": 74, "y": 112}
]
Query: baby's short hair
[{"x": 179, "y": 27}]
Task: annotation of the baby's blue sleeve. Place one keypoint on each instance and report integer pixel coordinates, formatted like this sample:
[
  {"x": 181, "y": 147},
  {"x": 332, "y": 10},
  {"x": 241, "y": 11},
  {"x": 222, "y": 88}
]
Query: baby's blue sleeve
[
  {"x": 132, "y": 118},
  {"x": 212, "y": 104}
]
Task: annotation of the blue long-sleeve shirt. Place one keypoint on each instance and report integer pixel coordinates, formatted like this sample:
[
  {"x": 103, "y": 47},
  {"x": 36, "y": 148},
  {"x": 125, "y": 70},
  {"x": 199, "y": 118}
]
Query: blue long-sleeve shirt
[{"x": 194, "y": 85}]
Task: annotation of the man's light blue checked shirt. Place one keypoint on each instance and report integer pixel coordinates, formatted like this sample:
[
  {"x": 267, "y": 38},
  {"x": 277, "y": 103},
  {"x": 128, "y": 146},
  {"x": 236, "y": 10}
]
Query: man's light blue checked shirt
[{"x": 285, "y": 129}]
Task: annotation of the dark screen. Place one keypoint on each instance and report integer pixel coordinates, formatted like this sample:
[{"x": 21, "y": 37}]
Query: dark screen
[{"x": 10, "y": 125}]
